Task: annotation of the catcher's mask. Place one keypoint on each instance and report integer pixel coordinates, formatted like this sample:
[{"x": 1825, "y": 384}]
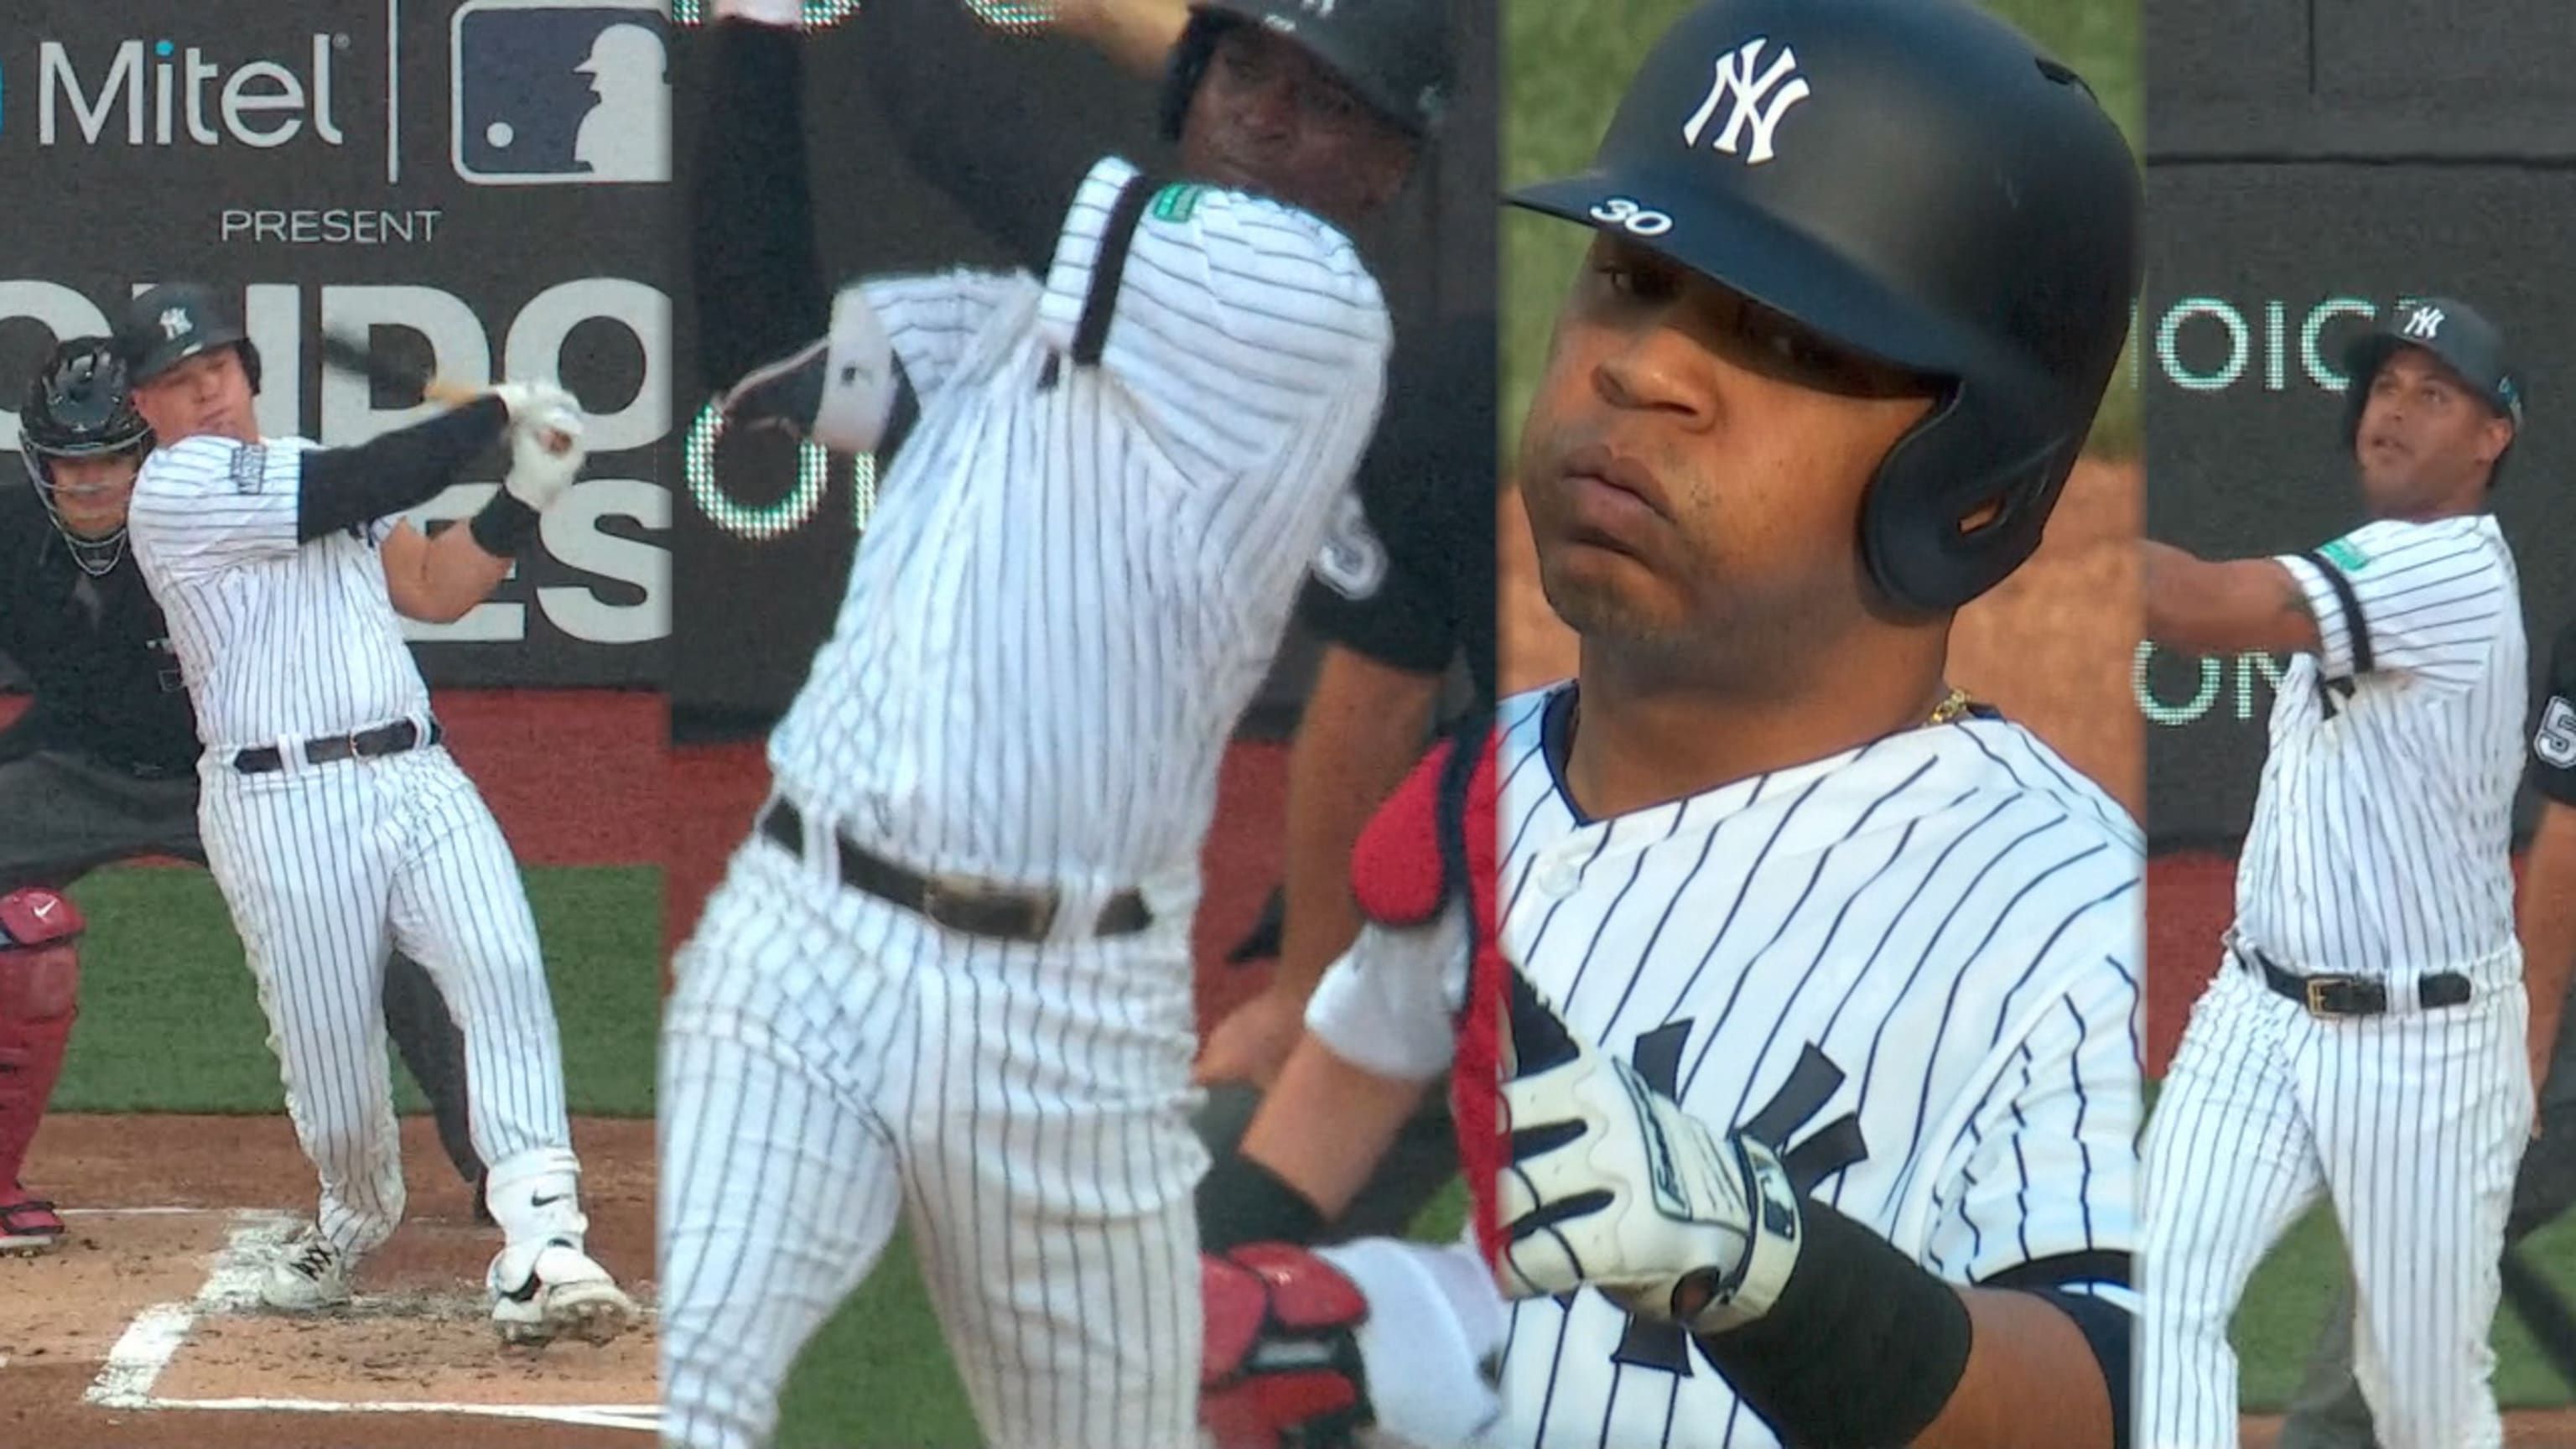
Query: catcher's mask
[{"x": 80, "y": 407}]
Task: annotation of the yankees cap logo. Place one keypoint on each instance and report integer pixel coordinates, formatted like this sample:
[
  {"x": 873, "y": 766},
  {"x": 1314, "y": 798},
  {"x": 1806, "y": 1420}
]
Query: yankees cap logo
[
  {"x": 176, "y": 323},
  {"x": 1761, "y": 97},
  {"x": 2424, "y": 322}
]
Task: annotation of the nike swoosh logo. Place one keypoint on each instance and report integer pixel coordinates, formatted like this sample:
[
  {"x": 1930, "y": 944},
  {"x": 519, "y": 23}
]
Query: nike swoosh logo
[
  {"x": 547, "y": 1201},
  {"x": 44, "y": 909}
]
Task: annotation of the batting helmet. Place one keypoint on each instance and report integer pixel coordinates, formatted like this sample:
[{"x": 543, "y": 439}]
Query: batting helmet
[
  {"x": 2452, "y": 330},
  {"x": 80, "y": 407},
  {"x": 1393, "y": 54},
  {"x": 176, "y": 321},
  {"x": 1917, "y": 182}
]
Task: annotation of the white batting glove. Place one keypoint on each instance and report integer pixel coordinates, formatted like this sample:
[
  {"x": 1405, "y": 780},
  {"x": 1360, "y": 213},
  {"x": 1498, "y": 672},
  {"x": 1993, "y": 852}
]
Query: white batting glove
[
  {"x": 546, "y": 454},
  {"x": 1613, "y": 1186},
  {"x": 525, "y": 399}
]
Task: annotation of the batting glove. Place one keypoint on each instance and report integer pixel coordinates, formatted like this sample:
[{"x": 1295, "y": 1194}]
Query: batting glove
[
  {"x": 525, "y": 399},
  {"x": 546, "y": 454},
  {"x": 1613, "y": 1186}
]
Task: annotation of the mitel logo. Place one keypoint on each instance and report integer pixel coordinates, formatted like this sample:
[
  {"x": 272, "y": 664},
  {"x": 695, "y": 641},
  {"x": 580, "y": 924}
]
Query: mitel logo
[
  {"x": 561, "y": 92},
  {"x": 159, "y": 93}
]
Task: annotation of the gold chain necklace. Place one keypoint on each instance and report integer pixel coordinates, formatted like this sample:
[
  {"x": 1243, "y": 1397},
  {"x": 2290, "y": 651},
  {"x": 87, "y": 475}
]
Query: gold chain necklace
[{"x": 1951, "y": 708}]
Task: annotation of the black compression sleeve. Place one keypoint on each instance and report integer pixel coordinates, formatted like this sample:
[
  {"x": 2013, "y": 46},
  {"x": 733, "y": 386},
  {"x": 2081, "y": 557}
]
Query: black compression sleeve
[
  {"x": 344, "y": 487},
  {"x": 759, "y": 285},
  {"x": 1240, "y": 1201}
]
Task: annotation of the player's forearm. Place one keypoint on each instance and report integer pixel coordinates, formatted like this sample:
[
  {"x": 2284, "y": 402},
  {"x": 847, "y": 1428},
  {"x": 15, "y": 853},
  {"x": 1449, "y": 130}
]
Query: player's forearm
[
  {"x": 2548, "y": 919},
  {"x": 2222, "y": 608},
  {"x": 753, "y": 265},
  {"x": 2032, "y": 1382},
  {"x": 343, "y": 487},
  {"x": 1136, "y": 34},
  {"x": 455, "y": 574},
  {"x": 1325, "y": 1123},
  {"x": 1363, "y": 727}
]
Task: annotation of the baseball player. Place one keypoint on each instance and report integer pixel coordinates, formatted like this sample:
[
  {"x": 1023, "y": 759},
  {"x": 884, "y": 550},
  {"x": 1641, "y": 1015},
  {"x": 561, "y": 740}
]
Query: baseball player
[
  {"x": 950, "y": 970},
  {"x": 333, "y": 818},
  {"x": 103, "y": 765},
  {"x": 2330, "y": 1411},
  {"x": 1823, "y": 1084},
  {"x": 2365, "y": 1035}
]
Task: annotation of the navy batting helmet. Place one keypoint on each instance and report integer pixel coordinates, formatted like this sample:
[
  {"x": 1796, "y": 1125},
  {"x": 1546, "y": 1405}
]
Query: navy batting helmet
[
  {"x": 2451, "y": 330},
  {"x": 1393, "y": 54},
  {"x": 1919, "y": 183},
  {"x": 174, "y": 322},
  {"x": 80, "y": 407}
]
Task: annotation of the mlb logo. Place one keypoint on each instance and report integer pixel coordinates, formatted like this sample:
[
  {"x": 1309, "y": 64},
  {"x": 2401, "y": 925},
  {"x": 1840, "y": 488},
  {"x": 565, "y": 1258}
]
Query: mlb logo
[{"x": 560, "y": 92}]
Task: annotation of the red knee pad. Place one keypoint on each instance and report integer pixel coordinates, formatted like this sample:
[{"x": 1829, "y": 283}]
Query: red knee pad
[
  {"x": 1282, "y": 1361},
  {"x": 39, "y": 995}
]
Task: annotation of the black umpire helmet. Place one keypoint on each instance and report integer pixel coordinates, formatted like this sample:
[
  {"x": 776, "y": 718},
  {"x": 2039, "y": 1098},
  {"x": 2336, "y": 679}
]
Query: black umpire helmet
[
  {"x": 175, "y": 321},
  {"x": 1917, "y": 182},
  {"x": 80, "y": 407},
  {"x": 1393, "y": 54},
  {"x": 2449, "y": 329}
]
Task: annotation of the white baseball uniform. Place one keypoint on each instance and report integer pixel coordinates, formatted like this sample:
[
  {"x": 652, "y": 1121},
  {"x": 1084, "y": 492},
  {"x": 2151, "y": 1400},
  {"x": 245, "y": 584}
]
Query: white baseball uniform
[
  {"x": 1912, "y": 968},
  {"x": 326, "y": 866},
  {"x": 1072, "y": 584},
  {"x": 2379, "y": 850}
]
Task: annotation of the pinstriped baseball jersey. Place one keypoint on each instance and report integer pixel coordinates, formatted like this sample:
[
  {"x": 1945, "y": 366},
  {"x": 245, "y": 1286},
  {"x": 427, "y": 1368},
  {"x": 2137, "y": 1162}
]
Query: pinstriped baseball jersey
[
  {"x": 2553, "y": 741},
  {"x": 2378, "y": 842},
  {"x": 1075, "y": 578},
  {"x": 277, "y": 639},
  {"x": 1914, "y": 967}
]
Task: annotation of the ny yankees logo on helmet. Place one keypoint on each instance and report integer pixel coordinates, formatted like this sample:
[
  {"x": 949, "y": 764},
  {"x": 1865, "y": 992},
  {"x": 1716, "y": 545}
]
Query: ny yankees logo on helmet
[
  {"x": 175, "y": 323},
  {"x": 2425, "y": 322},
  {"x": 1760, "y": 101}
]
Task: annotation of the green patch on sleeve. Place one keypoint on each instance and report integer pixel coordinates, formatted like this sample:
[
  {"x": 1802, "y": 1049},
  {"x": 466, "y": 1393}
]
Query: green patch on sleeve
[
  {"x": 2346, "y": 555},
  {"x": 1178, "y": 202}
]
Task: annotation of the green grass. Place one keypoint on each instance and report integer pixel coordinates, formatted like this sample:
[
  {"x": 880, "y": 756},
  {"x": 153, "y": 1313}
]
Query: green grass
[
  {"x": 1564, "y": 67},
  {"x": 2286, "y": 1304},
  {"x": 170, "y": 1019}
]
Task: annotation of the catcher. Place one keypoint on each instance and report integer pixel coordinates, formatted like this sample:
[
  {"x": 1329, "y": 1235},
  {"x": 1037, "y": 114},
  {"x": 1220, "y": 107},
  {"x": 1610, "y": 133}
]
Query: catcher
[{"x": 102, "y": 767}]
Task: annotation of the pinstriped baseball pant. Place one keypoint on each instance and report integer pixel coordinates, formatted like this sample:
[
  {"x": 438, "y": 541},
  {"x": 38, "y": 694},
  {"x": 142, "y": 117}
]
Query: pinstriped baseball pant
[
  {"x": 829, "y": 1060},
  {"x": 325, "y": 867},
  {"x": 2413, "y": 1124}
]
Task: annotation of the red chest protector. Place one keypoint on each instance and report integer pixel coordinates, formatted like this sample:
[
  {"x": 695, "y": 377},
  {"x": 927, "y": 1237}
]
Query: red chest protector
[{"x": 1435, "y": 838}]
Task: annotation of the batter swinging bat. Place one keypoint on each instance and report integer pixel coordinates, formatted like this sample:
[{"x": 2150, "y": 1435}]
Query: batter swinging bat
[{"x": 351, "y": 354}]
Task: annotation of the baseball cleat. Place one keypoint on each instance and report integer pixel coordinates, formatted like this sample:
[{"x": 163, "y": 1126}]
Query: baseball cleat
[
  {"x": 563, "y": 1295},
  {"x": 28, "y": 1225},
  {"x": 311, "y": 1276},
  {"x": 785, "y": 395}
]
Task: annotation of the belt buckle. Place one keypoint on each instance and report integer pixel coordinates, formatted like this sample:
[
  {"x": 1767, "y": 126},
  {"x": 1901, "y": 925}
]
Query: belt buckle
[
  {"x": 2318, "y": 986},
  {"x": 944, "y": 896}
]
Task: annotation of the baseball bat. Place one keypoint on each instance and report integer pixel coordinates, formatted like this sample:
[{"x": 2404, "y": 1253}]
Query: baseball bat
[{"x": 350, "y": 354}]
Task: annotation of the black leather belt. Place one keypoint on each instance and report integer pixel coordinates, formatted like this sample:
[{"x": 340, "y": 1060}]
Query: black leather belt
[
  {"x": 390, "y": 739},
  {"x": 961, "y": 903},
  {"x": 2356, "y": 995}
]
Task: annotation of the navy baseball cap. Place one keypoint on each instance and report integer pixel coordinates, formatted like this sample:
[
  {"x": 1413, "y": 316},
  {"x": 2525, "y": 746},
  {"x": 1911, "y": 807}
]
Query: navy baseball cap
[{"x": 2449, "y": 329}]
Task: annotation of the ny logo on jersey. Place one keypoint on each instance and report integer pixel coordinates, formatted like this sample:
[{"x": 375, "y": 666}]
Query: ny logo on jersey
[
  {"x": 2424, "y": 322},
  {"x": 1759, "y": 101},
  {"x": 175, "y": 323},
  {"x": 1657, "y": 1057}
]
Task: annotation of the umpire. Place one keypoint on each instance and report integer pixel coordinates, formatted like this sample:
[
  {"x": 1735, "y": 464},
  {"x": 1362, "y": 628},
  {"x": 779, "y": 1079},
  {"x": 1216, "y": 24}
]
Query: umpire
[{"x": 102, "y": 766}]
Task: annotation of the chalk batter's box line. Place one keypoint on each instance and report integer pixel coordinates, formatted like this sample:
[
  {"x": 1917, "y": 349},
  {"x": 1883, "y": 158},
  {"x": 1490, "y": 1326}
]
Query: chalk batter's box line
[{"x": 156, "y": 1335}]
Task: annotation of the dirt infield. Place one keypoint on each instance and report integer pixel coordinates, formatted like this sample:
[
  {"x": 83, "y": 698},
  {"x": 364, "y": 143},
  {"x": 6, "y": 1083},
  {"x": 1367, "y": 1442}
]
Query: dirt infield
[
  {"x": 2523, "y": 1429},
  {"x": 144, "y": 1329}
]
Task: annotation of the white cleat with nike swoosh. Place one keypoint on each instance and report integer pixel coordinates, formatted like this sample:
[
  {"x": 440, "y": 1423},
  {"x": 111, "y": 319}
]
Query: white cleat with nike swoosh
[{"x": 556, "y": 1291}]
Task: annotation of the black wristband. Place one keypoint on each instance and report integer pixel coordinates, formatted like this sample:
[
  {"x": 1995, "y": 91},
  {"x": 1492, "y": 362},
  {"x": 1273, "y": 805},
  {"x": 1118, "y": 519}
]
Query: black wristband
[
  {"x": 1854, "y": 1311},
  {"x": 504, "y": 526},
  {"x": 1240, "y": 1201}
]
